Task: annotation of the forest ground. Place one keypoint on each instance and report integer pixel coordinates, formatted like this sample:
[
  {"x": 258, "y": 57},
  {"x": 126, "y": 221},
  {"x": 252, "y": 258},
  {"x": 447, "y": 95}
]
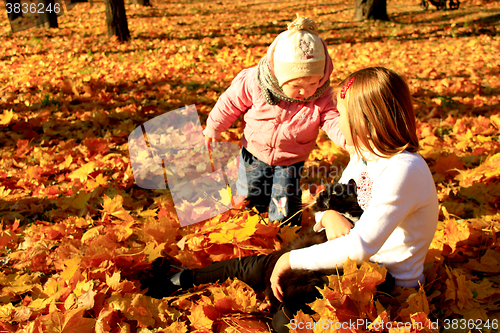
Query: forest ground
[{"x": 76, "y": 230}]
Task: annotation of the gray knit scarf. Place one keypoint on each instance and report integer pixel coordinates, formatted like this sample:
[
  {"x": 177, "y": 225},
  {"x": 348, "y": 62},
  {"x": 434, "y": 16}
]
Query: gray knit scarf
[{"x": 272, "y": 91}]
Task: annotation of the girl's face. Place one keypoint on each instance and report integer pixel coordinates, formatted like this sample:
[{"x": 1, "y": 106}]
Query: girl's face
[
  {"x": 301, "y": 88},
  {"x": 343, "y": 121}
]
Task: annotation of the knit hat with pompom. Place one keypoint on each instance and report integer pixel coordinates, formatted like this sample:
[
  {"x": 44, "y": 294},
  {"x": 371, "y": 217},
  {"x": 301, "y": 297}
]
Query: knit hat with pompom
[{"x": 299, "y": 51}]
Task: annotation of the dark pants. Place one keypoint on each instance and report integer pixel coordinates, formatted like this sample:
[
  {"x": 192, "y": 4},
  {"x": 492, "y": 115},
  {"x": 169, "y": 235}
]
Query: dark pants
[
  {"x": 251, "y": 270},
  {"x": 265, "y": 185}
]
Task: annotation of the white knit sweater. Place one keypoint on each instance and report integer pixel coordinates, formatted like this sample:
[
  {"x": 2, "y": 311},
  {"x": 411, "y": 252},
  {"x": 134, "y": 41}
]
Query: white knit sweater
[{"x": 400, "y": 216}]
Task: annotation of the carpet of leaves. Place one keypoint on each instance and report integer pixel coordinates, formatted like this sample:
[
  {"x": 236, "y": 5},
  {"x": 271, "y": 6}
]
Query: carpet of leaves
[{"x": 75, "y": 230}]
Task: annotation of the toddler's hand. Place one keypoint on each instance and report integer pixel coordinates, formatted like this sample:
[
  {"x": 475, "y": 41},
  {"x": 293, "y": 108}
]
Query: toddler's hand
[
  {"x": 208, "y": 142},
  {"x": 335, "y": 224}
]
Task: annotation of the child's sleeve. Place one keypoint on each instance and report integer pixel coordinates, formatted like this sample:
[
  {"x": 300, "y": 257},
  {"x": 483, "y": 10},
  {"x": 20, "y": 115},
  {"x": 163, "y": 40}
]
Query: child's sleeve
[
  {"x": 330, "y": 124},
  {"x": 231, "y": 104}
]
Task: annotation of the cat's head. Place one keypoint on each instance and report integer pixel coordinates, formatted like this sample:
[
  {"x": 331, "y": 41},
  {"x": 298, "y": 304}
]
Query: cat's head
[{"x": 339, "y": 197}]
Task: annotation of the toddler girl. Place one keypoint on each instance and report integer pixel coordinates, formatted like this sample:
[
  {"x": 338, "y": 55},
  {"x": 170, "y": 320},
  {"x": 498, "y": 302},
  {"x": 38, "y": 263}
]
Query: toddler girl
[{"x": 284, "y": 101}]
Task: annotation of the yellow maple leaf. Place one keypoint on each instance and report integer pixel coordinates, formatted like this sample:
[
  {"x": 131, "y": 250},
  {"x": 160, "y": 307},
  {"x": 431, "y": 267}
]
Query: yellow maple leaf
[
  {"x": 235, "y": 232},
  {"x": 430, "y": 147},
  {"x": 495, "y": 120},
  {"x": 120, "y": 302},
  {"x": 226, "y": 198},
  {"x": 198, "y": 318},
  {"x": 153, "y": 250},
  {"x": 113, "y": 281},
  {"x": 6, "y": 312},
  {"x": 68, "y": 160},
  {"x": 90, "y": 234},
  {"x": 124, "y": 231},
  {"x": 381, "y": 321},
  {"x": 6, "y": 117},
  {"x": 99, "y": 180},
  {"x": 490, "y": 168},
  {"x": 87, "y": 300},
  {"x": 115, "y": 207},
  {"x": 4, "y": 192},
  {"x": 81, "y": 200},
  {"x": 71, "y": 266},
  {"x": 83, "y": 172},
  {"x": 18, "y": 283}
]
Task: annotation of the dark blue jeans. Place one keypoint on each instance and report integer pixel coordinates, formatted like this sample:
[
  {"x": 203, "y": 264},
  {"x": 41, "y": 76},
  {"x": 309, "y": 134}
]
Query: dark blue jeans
[{"x": 276, "y": 187}]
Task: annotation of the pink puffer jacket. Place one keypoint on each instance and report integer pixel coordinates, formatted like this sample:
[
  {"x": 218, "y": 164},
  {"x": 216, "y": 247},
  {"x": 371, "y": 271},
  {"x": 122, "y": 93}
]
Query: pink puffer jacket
[{"x": 281, "y": 134}]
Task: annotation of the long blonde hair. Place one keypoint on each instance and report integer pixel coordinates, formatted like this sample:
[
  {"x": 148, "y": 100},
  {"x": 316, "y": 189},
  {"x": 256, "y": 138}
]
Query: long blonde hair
[{"x": 380, "y": 112}]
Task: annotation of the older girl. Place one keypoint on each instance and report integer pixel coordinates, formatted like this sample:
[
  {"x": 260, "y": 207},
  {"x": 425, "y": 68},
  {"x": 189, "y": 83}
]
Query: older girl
[{"x": 395, "y": 187}]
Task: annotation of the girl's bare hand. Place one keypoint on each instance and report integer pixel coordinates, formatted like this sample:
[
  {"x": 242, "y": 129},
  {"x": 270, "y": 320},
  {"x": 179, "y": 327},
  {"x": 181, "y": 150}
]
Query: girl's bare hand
[
  {"x": 282, "y": 265},
  {"x": 335, "y": 224}
]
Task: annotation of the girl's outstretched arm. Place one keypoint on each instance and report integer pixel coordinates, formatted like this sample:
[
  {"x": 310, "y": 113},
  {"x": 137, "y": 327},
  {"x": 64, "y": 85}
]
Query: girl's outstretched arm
[
  {"x": 335, "y": 224},
  {"x": 329, "y": 123},
  {"x": 282, "y": 265}
]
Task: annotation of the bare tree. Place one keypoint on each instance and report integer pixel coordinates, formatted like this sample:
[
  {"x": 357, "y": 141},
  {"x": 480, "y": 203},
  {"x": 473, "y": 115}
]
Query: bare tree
[
  {"x": 47, "y": 16},
  {"x": 12, "y": 14},
  {"x": 116, "y": 19},
  {"x": 371, "y": 9},
  {"x": 142, "y": 2}
]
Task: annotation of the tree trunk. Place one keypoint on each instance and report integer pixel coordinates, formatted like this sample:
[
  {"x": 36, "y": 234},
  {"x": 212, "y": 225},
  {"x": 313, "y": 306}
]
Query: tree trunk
[
  {"x": 116, "y": 19},
  {"x": 142, "y": 2},
  {"x": 47, "y": 17},
  {"x": 371, "y": 9},
  {"x": 13, "y": 15}
]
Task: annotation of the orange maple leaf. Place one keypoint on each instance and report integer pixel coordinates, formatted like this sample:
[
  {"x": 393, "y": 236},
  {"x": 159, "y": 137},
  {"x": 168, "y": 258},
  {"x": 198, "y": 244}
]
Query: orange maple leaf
[
  {"x": 72, "y": 321},
  {"x": 302, "y": 323},
  {"x": 176, "y": 327},
  {"x": 489, "y": 262},
  {"x": 143, "y": 309},
  {"x": 448, "y": 165},
  {"x": 456, "y": 233},
  {"x": 415, "y": 303},
  {"x": 458, "y": 290}
]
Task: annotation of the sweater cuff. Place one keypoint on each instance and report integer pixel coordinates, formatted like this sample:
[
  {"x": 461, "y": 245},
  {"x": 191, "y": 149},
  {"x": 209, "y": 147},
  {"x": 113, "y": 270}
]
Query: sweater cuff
[
  {"x": 317, "y": 217},
  {"x": 210, "y": 132}
]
